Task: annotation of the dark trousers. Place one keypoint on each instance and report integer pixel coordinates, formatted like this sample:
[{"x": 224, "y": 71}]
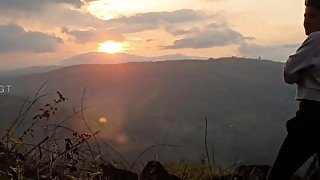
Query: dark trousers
[{"x": 302, "y": 141}]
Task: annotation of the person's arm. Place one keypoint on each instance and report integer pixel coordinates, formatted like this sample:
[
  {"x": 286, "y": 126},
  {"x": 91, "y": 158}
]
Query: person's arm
[{"x": 302, "y": 60}]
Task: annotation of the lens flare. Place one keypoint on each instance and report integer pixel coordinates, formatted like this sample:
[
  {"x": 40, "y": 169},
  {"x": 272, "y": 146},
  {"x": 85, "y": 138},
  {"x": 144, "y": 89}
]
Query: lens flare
[
  {"x": 121, "y": 139},
  {"x": 102, "y": 120}
]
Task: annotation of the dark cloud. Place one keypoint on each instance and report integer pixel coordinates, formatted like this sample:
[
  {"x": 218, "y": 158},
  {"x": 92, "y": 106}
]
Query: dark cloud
[
  {"x": 34, "y": 5},
  {"x": 277, "y": 52},
  {"x": 75, "y": 3},
  {"x": 54, "y": 15},
  {"x": 291, "y": 45},
  {"x": 215, "y": 25},
  {"x": 87, "y": 36},
  {"x": 150, "y": 40},
  {"x": 60, "y": 16},
  {"x": 48, "y": 13},
  {"x": 178, "y": 16},
  {"x": 153, "y": 20},
  {"x": 179, "y": 32},
  {"x": 14, "y": 38},
  {"x": 211, "y": 36}
]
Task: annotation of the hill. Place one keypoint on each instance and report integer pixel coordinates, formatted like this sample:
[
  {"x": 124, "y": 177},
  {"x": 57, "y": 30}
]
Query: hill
[
  {"x": 5, "y": 74},
  {"x": 165, "y": 102}
]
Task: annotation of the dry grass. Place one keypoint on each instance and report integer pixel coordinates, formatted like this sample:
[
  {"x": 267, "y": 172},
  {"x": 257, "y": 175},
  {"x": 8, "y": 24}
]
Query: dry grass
[{"x": 27, "y": 154}]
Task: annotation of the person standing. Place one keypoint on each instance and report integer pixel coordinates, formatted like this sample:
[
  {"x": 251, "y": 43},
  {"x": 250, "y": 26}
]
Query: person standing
[{"x": 303, "y": 131}]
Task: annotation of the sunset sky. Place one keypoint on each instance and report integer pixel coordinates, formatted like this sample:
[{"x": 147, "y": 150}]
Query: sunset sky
[{"x": 44, "y": 32}]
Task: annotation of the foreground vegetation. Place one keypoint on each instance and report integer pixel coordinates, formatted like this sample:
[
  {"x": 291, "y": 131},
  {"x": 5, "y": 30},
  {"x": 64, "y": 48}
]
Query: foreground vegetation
[{"x": 32, "y": 148}]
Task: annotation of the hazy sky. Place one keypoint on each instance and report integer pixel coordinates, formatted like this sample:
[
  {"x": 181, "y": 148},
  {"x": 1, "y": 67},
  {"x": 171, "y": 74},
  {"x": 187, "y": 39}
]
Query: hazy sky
[{"x": 44, "y": 32}]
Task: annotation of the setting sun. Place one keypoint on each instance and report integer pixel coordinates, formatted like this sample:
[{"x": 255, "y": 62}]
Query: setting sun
[{"x": 110, "y": 47}]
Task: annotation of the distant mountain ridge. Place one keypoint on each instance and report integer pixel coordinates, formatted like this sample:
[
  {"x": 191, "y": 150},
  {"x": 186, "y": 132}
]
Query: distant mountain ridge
[
  {"x": 90, "y": 58},
  {"x": 105, "y": 58}
]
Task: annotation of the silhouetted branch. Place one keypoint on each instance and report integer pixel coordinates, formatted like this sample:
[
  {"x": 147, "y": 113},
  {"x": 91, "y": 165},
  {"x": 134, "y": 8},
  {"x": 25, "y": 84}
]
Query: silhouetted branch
[{"x": 205, "y": 143}]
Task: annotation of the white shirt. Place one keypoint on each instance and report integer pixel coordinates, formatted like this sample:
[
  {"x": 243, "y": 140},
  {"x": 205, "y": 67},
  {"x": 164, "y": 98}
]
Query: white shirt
[{"x": 303, "y": 68}]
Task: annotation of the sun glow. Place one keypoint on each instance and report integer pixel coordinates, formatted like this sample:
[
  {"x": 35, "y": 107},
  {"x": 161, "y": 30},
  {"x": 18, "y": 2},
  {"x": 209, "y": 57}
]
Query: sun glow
[{"x": 110, "y": 47}]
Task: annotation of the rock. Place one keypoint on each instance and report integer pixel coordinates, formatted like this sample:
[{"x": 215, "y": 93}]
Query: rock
[
  {"x": 113, "y": 173},
  {"x": 155, "y": 171}
]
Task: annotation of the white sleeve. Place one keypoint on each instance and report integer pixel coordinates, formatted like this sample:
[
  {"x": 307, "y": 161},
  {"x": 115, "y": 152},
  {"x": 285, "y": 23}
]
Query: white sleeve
[{"x": 302, "y": 60}]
